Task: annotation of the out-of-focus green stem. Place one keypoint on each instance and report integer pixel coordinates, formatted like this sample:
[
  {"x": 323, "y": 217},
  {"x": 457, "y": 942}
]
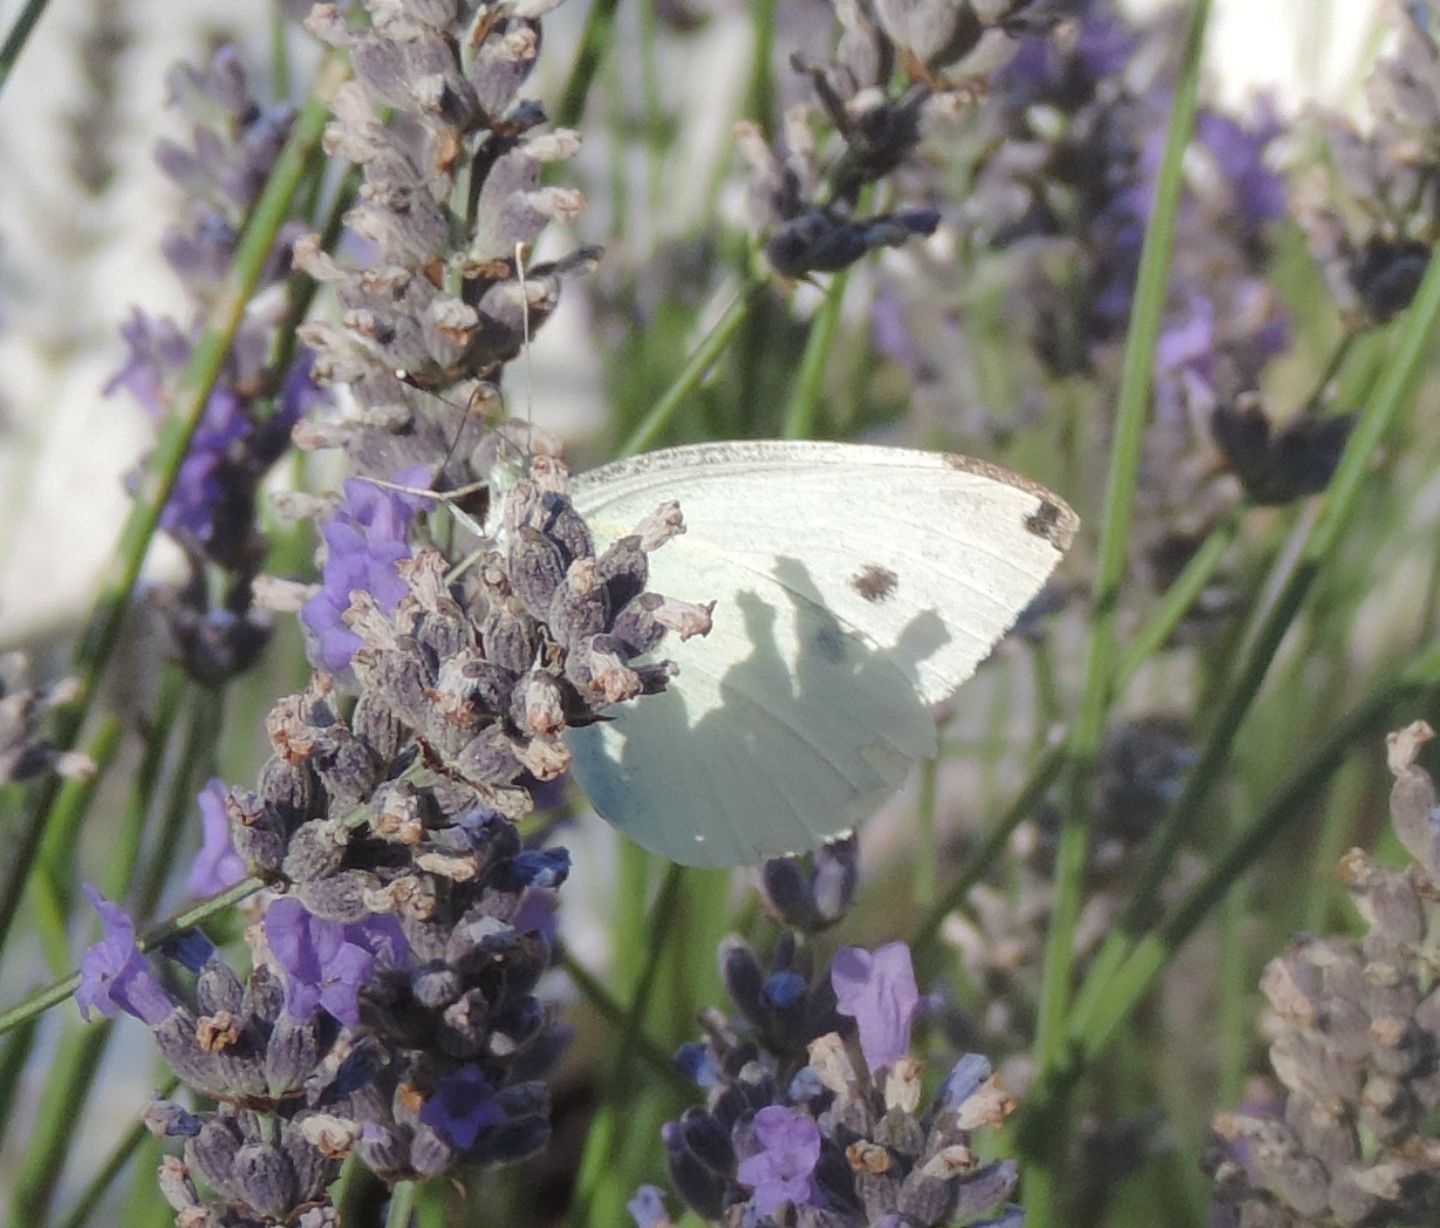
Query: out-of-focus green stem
[
  {"x": 1043, "y": 1166},
  {"x": 52, "y": 893},
  {"x": 1341, "y": 501},
  {"x": 594, "y": 41},
  {"x": 97, "y": 640},
  {"x": 800, "y": 414},
  {"x": 604, "y": 1131},
  {"x": 695, "y": 369},
  {"x": 89, "y": 1198}
]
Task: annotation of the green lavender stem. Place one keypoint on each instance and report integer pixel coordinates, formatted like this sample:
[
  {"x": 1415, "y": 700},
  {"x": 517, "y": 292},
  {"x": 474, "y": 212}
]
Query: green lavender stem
[
  {"x": 1042, "y": 1171},
  {"x": 102, "y": 630}
]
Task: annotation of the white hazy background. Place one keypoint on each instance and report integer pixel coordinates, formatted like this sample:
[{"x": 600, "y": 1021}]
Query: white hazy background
[{"x": 72, "y": 266}]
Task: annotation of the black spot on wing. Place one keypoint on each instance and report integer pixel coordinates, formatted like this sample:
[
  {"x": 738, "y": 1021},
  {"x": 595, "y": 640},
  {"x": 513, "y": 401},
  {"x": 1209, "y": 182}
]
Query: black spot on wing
[
  {"x": 1046, "y": 521},
  {"x": 874, "y": 582}
]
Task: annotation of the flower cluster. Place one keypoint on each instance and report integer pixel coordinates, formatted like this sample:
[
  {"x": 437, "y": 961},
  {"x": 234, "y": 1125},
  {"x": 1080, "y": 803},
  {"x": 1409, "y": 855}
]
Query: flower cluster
[
  {"x": 262, "y": 391},
  {"x": 409, "y": 925},
  {"x": 1375, "y": 250},
  {"x": 812, "y": 215},
  {"x": 813, "y": 1111},
  {"x": 1355, "y": 1046},
  {"x": 391, "y": 1012},
  {"x": 433, "y": 292}
]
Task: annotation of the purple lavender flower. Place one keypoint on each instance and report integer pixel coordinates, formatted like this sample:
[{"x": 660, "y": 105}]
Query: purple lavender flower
[
  {"x": 114, "y": 975},
  {"x": 366, "y": 538},
  {"x": 461, "y": 1107},
  {"x": 324, "y": 969},
  {"x": 1239, "y": 151},
  {"x": 217, "y": 865},
  {"x": 877, "y": 989},
  {"x": 647, "y": 1208},
  {"x": 780, "y": 1171}
]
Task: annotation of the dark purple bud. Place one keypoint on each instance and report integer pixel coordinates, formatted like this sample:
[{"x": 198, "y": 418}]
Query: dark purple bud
[
  {"x": 547, "y": 868},
  {"x": 699, "y": 1185},
  {"x": 708, "y": 1141},
  {"x": 462, "y": 1107}
]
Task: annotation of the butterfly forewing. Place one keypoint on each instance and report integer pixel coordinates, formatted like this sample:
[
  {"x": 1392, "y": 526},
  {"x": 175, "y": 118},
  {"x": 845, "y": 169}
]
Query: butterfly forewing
[{"x": 854, "y": 586}]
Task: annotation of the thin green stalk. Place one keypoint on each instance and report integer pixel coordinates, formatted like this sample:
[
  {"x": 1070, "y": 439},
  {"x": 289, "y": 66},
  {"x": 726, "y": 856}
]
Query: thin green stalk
[
  {"x": 53, "y": 887},
  {"x": 1240, "y": 690},
  {"x": 102, "y": 630},
  {"x": 95, "y": 1189},
  {"x": 760, "y": 97},
  {"x": 612, "y": 1013},
  {"x": 19, "y": 35},
  {"x": 800, "y": 413},
  {"x": 42, "y": 1000},
  {"x": 14, "y": 1059},
  {"x": 1128, "y": 986},
  {"x": 654, "y": 122},
  {"x": 1042, "y": 1170},
  {"x": 402, "y": 1204},
  {"x": 695, "y": 370},
  {"x": 1156, "y": 631},
  {"x": 605, "y": 1129},
  {"x": 72, "y": 1075},
  {"x": 594, "y": 42}
]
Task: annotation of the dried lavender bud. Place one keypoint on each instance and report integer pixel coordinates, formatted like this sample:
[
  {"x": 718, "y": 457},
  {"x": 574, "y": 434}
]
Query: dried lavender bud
[{"x": 24, "y": 753}]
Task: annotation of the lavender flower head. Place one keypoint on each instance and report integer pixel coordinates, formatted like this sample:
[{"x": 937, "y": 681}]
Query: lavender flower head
[
  {"x": 1355, "y": 1049},
  {"x": 804, "y": 1123},
  {"x": 264, "y": 387}
]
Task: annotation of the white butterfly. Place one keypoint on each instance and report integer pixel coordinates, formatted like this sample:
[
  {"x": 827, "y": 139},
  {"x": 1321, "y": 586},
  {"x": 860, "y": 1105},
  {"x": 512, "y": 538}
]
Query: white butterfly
[{"x": 854, "y": 587}]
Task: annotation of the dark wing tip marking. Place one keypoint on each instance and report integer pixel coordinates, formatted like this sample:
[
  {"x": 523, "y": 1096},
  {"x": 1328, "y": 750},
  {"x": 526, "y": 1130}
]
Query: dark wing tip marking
[
  {"x": 874, "y": 582},
  {"x": 1050, "y": 522}
]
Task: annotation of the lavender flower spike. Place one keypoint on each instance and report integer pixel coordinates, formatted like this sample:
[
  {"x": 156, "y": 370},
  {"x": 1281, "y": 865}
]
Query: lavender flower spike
[
  {"x": 789, "y": 1150},
  {"x": 114, "y": 975},
  {"x": 877, "y": 989}
]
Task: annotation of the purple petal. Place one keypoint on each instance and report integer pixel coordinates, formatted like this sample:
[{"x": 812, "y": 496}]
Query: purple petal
[
  {"x": 217, "y": 865},
  {"x": 114, "y": 975},
  {"x": 878, "y": 991}
]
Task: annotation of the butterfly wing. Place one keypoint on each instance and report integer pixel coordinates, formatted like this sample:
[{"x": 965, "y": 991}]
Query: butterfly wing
[{"x": 854, "y": 586}]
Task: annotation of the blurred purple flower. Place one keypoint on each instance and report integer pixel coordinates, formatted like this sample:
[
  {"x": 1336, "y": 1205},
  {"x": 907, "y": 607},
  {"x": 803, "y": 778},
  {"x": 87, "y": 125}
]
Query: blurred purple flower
[
  {"x": 217, "y": 865},
  {"x": 1239, "y": 151},
  {"x": 114, "y": 975},
  {"x": 877, "y": 989},
  {"x": 157, "y": 349},
  {"x": 647, "y": 1208},
  {"x": 366, "y": 538},
  {"x": 780, "y": 1171},
  {"x": 461, "y": 1107}
]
